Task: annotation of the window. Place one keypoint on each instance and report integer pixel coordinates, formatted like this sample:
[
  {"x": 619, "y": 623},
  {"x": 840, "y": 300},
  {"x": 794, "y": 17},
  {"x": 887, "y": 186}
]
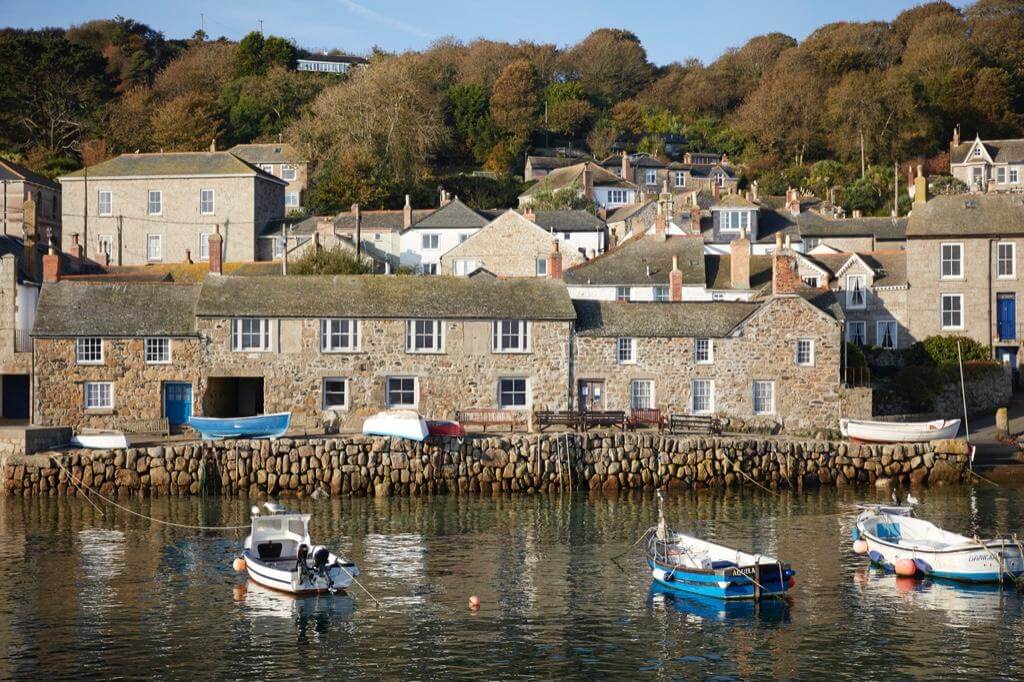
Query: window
[
  {"x": 661, "y": 294},
  {"x": 89, "y": 351},
  {"x": 703, "y": 351},
  {"x": 105, "y": 242},
  {"x": 430, "y": 242},
  {"x": 337, "y": 336},
  {"x": 1000, "y": 175},
  {"x": 811, "y": 281},
  {"x": 977, "y": 152},
  {"x": 204, "y": 246},
  {"x": 617, "y": 196},
  {"x": 764, "y": 397},
  {"x": 702, "y": 396},
  {"x": 401, "y": 392},
  {"x": 157, "y": 351},
  {"x": 377, "y": 236},
  {"x": 622, "y": 293},
  {"x": 651, "y": 176},
  {"x": 510, "y": 336},
  {"x": 856, "y": 333},
  {"x": 206, "y": 201},
  {"x": 267, "y": 168},
  {"x": 680, "y": 179},
  {"x": 1006, "y": 259},
  {"x": 720, "y": 179},
  {"x": 951, "y": 261},
  {"x": 732, "y": 221},
  {"x": 428, "y": 268},
  {"x": 625, "y": 351},
  {"x": 250, "y": 334},
  {"x": 104, "y": 202},
  {"x": 1014, "y": 176},
  {"x": 641, "y": 392},
  {"x": 512, "y": 393},
  {"x": 335, "y": 394},
  {"x": 952, "y": 306},
  {"x": 154, "y": 247},
  {"x": 423, "y": 336},
  {"x": 541, "y": 269},
  {"x": 464, "y": 266},
  {"x": 155, "y": 204},
  {"x": 99, "y": 395},
  {"x": 278, "y": 243},
  {"x": 291, "y": 199},
  {"x": 717, "y": 296},
  {"x": 805, "y": 352},
  {"x": 856, "y": 296},
  {"x": 885, "y": 331},
  {"x": 287, "y": 172}
]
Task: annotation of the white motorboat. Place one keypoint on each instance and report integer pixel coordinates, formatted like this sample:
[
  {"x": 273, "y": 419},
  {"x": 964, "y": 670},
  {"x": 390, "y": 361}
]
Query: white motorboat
[
  {"x": 397, "y": 423},
  {"x": 100, "y": 440},
  {"x": 894, "y": 534},
  {"x": 279, "y": 555},
  {"x": 899, "y": 432}
]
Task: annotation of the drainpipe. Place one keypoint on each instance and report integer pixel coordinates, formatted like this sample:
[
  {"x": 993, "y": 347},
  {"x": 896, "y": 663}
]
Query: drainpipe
[
  {"x": 991, "y": 346},
  {"x": 572, "y": 364}
]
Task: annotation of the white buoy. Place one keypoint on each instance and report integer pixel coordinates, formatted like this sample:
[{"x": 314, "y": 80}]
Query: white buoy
[{"x": 860, "y": 546}]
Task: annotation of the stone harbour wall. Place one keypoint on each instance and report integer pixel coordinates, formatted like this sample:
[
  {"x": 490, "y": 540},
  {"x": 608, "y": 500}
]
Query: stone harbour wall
[{"x": 520, "y": 463}]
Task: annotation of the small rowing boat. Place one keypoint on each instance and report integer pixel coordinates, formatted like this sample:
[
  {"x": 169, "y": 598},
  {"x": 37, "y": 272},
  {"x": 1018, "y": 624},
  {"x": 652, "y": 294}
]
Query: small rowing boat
[
  {"x": 397, "y": 424},
  {"x": 260, "y": 426},
  {"x": 899, "y": 541},
  {"x": 100, "y": 440},
  {"x": 899, "y": 432},
  {"x": 445, "y": 428}
]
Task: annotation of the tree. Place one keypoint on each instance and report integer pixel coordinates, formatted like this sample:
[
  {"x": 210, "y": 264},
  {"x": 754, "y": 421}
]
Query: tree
[
  {"x": 610, "y": 64},
  {"x": 278, "y": 52},
  {"x": 564, "y": 199},
  {"x": 206, "y": 69},
  {"x": 469, "y": 110},
  {"x": 515, "y": 100},
  {"x": 570, "y": 117},
  {"x": 186, "y": 123},
  {"x": 261, "y": 107},
  {"x": 601, "y": 138},
  {"x": 629, "y": 116},
  {"x": 128, "y": 124},
  {"x": 134, "y": 51},
  {"x": 249, "y": 55}
]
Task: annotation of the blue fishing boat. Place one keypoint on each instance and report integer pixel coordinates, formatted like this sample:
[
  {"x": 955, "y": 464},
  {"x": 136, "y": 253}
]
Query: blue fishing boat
[
  {"x": 688, "y": 564},
  {"x": 260, "y": 426}
]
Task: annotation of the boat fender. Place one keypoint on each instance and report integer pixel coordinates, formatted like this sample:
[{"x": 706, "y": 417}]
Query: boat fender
[
  {"x": 474, "y": 603},
  {"x": 906, "y": 567},
  {"x": 238, "y": 564},
  {"x": 792, "y": 582},
  {"x": 876, "y": 557},
  {"x": 860, "y": 547},
  {"x": 923, "y": 567},
  {"x": 855, "y": 533}
]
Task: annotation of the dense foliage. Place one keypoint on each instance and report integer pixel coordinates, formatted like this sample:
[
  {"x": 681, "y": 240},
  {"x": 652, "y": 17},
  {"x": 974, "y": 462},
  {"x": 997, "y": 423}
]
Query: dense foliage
[{"x": 335, "y": 261}]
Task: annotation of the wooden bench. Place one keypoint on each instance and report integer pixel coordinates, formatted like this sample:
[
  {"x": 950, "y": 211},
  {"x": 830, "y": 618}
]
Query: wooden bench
[
  {"x": 305, "y": 423},
  {"x": 694, "y": 423},
  {"x": 545, "y": 418},
  {"x": 615, "y": 418},
  {"x": 646, "y": 417},
  {"x": 484, "y": 417},
  {"x": 155, "y": 427}
]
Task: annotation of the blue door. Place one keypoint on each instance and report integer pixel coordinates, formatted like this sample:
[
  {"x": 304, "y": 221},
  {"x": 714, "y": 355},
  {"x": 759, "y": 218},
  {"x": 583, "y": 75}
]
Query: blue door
[
  {"x": 1006, "y": 316},
  {"x": 177, "y": 402}
]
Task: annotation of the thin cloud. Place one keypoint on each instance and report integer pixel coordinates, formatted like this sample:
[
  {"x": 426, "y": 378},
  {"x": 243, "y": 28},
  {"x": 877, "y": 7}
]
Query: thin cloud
[{"x": 373, "y": 15}]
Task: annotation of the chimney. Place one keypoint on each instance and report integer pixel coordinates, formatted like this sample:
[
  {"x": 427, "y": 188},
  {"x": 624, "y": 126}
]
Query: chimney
[
  {"x": 857, "y": 213},
  {"x": 661, "y": 223},
  {"x": 675, "y": 282},
  {"x": 529, "y": 214},
  {"x": 716, "y": 190},
  {"x": 625, "y": 165},
  {"x": 920, "y": 187},
  {"x": 213, "y": 145},
  {"x": 76, "y": 246},
  {"x": 555, "y": 262},
  {"x": 445, "y": 198},
  {"x": 51, "y": 266},
  {"x": 188, "y": 256},
  {"x": 785, "y": 276},
  {"x": 793, "y": 201},
  {"x": 753, "y": 191},
  {"x": 739, "y": 261},
  {"x": 355, "y": 211},
  {"x": 695, "y": 220},
  {"x": 588, "y": 181},
  {"x": 407, "y": 213},
  {"x": 956, "y": 135},
  {"x": 778, "y": 241},
  {"x": 216, "y": 252}
]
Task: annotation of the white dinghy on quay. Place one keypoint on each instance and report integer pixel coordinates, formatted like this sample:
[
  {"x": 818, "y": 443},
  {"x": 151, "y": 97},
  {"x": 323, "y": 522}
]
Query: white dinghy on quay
[
  {"x": 899, "y": 432},
  {"x": 280, "y": 555}
]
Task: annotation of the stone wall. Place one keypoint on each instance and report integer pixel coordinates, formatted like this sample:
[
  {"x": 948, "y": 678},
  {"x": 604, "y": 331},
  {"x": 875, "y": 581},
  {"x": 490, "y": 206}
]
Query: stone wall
[
  {"x": 988, "y": 386},
  {"x": 524, "y": 463},
  {"x": 510, "y": 246}
]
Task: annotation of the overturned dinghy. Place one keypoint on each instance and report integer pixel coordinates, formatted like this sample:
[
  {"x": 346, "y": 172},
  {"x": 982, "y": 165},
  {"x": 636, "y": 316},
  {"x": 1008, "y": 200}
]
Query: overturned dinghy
[
  {"x": 899, "y": 432},
  {"x": 397, "y": 424},
  {"x": 279, "y": 555}
]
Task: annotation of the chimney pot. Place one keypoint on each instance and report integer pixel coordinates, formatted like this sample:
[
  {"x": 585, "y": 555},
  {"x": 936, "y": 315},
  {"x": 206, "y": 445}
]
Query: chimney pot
[
  {"x": 216, "y": 252},
  {"x": 555, "y": 261},
  {"x": 675, "y": 282}
]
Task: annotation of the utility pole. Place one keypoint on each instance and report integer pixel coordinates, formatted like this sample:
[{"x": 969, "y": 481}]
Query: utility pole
[
  {"x": 284, "y": 248},
  {"x": 202, "y": 23},
  {"x": 896, "y": 190},
  {"x": 261, "y": 27},
  {"x": 863, "y": 170},
  {"x": 120, "y": 232},
  {"x": 85, "y": 214}
]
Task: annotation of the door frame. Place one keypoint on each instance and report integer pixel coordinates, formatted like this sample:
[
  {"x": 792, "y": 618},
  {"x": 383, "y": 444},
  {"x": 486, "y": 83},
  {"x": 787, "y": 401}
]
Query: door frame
[{"x": 163, "y": 399}]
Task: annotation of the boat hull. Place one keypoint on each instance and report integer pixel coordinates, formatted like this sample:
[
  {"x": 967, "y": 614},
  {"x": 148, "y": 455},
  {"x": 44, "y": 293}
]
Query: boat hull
[
  {"x": 260, "y": 426},
  {"x": 773, "y": 579},
  {"x": 291, "y": 582},
  {"x": 100, "y": 441},
  {"x": 396, "y": 424},
  {"x": 445, "y": 428},
  {"x": 899, "y": 432}
]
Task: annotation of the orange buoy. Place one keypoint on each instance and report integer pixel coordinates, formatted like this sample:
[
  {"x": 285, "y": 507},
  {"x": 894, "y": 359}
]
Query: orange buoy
[
  {"x": 474, "y": 602},
  {"x": 238, "y": 592},
  {"x": 238, "y": 564},
  {"x": 860, "y": 546},
  {"x": 905, "y": 567}
]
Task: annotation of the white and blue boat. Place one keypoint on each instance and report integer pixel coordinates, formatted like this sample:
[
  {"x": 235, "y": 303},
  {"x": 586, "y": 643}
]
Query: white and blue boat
[
  {"x": 260, "y": 426},
  {"x": 688, "y": 564}
]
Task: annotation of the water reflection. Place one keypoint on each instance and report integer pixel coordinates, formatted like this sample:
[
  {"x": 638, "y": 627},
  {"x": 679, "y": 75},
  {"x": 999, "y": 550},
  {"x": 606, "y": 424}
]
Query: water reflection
[{"x": 696, "y": 608}]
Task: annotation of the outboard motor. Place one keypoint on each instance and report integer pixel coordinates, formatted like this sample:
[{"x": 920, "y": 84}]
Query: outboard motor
[{"x": 321, "y": 556}]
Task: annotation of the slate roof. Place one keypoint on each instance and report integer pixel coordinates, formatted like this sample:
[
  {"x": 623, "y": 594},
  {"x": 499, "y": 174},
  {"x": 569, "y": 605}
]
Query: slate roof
[
  {"x": 719, "y": 272},
  {"x": 454, "y": 215},
  {"x": 890, "y": 266},
  {"x": 734, "y": 201},
  {"x": 628, "y": 263},
  {"x": 561, "y": 178},
  {"x": 9, "y": 170},
  {"x": 384, "y": 296},
  {"x": 968, "y": 215},
  {"x": 576, "y": 220},
  {"x": 667, "y": 320},
  {"x": 550, "y": 162},
  {"x": 173, "y": 164},
  {"x": 635, "y": 161},
  {"x": 1001, "y": 151},
  {"x": 824, "y": 300},
  {"x": 338, "y": 58},
  {"x": 393, "y": 221},
  {"x": 115, "y": 310},
  {"x": 273, "y": 152},
  {"x": 626, "y": 212}
]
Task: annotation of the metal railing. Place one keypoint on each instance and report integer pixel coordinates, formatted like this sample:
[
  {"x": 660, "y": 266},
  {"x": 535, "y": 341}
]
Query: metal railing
[
  {"x": 22, "y": 340},
  {"x": 854, "y": 377}
]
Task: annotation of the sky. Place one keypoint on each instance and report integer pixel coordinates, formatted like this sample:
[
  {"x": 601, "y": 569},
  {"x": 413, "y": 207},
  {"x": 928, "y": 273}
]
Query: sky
[{"x": 671, "y": 31}]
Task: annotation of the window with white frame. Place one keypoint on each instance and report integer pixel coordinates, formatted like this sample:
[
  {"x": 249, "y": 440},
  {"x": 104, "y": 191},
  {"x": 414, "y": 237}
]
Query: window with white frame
[
  {"x": 291, "y": 199},
  {"x": 287, "y": 172},
  {"x": 512, "y": 393},
  {"x": 335, "y": 393},
  {"x": 856, "y": 295},
  {"x": 339, "y": 336},
  {"x": 720, "y": 179},
  {"x": 430, "y": 242},
  {"x": 621, "y": 293},
  {"x": 206, "y": 201},
  {"x": 1001, "y": 175},
  {"x": 155, "y": 205},
  {"x": 856, "y": 333},
  {"x": 805, "y": 352},
  {"x": 703, "y": 351},
  {"x": 89, "y": 350},
  {"x": 104, "y": 202},
  {"x": 732, "y": 221},
  {"x": 278, "y": 247},
  {"x": 204, "y": 246},
  {"x": 1014, "y": 176},
  {"x": 1006, "y": 259},
  {"x": 977, "y": 152},
  {"x": 886, "y": 331},
  {"x": 98, "y": 395},
  {"x": 680, "y": 179},
  {"x": 625, "y": 351},
  {"x": 510, "y": 336},
  {"x": 465, "y": 266},
  {"x": 267, "y": 168},
  {"x": 952, "y": 307},
  {"x": 402, "y": 391},
  {"x": 951, "y": 265},
  {"x": 660, "y": 294},
  {"x": 157, "y": 351},
  {"x": 617, "y": 196},
  {"x": 250, "y": 334},
  {"x": 541, "y": 267},
  {"x": 424, "y": 336},
  {"x": 428, "y": 268},
  {"x": 105, "y": 242},
  {"x": 702, "y": 396},
  {"x": 764, "y": 397},
  {"x": 651, "y": 176},
  {"x": 154, "y": 247},
  {"x": 641, "y": 394},
  {"x": 377, "y": 236}
]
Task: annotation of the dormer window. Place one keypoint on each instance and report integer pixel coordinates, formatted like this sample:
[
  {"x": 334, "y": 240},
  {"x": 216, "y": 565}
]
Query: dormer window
[
  {"x": 977, "y": 152},
  {"x": 732, "y": 221}
]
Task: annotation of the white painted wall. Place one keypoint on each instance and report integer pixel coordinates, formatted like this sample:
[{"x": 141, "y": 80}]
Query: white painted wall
[
  {"x": 601, "y": 197},
  {"x": 412, "y": 253}
]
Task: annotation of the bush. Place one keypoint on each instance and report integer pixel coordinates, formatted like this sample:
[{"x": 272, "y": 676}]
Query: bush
[
  {"x": 942, "y": 350},
  {"x": 336, "y": 261},
  {"x": 855, "y": 356}
]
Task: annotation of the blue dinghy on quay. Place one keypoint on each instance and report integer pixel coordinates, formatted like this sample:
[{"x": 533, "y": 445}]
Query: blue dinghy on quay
[
  {"x": 260, "y": 426},
  {"x": 688, "y": 564}
]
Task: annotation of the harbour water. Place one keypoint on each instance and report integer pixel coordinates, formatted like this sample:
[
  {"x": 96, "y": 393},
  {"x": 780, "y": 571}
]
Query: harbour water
[{"x": 564, "y": 594}]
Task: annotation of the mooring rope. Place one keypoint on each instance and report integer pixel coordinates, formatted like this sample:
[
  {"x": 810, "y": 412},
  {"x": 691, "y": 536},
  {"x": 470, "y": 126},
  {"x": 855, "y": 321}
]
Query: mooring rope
[
  {"x": 744, "y": 474},
  {"x": 369, "y": 594},
  {"x": 1016, "y": 581}
]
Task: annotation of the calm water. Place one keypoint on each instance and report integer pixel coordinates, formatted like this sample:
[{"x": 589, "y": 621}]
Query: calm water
[{"x": 84, "y": 595}]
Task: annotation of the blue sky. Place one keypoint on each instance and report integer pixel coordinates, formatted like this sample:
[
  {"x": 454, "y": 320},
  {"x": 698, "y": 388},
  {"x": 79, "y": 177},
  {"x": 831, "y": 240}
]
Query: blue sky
[{"x": 671, "y": 31}]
